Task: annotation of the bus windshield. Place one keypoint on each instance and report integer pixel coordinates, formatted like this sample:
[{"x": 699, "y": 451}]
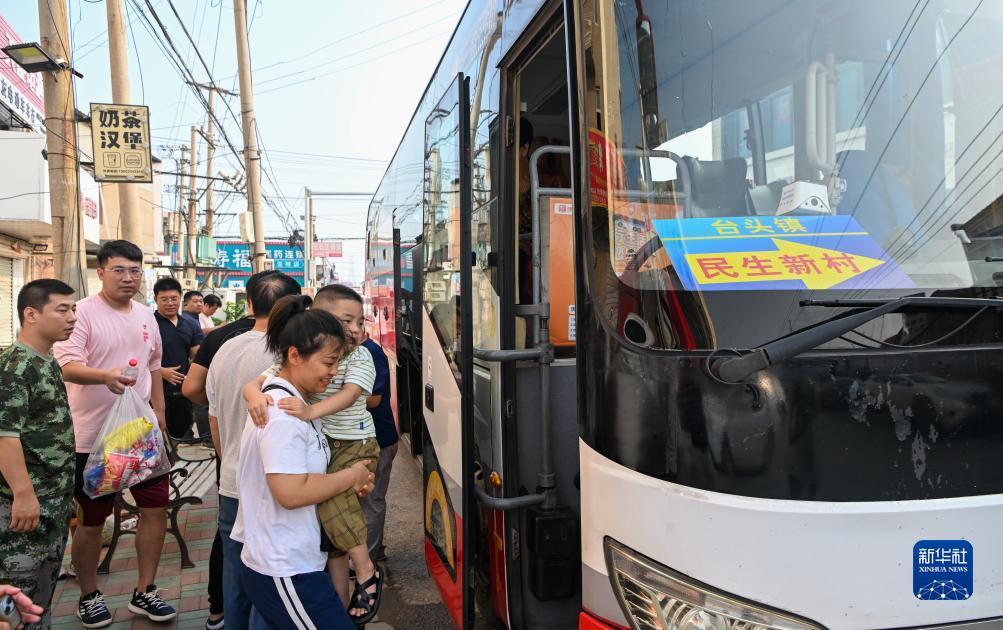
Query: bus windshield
[{"x": 747, "y": 156}]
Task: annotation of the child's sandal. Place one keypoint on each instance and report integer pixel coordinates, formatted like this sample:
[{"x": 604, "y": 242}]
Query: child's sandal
[{"x": 366, "y": 601}]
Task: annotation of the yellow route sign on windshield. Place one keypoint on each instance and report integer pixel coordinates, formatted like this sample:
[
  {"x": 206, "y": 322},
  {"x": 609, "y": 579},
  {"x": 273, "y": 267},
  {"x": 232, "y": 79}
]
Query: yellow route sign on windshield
[{"x": 817, "y": 267}]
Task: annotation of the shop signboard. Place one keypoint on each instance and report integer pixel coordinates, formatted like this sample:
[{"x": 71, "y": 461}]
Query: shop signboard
[
  {"x": 236, "y": 257},
  {"x": 327, "y": 249},
  {"x": 121, "y": 139},
  {"x": 90, "y": 206},
  {"x": 20, "y": 91}
]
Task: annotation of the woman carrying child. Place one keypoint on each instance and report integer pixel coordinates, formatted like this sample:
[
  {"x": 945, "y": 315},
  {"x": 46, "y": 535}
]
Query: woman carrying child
[
  {"x": 351, "y": 436},
  {"x": 282, "y": 477}
]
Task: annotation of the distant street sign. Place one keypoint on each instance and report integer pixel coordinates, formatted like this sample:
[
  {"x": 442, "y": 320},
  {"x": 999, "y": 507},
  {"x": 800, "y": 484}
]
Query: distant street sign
[
  {"x": 120, "y": 135},
  {"x": 327, "y": 249},
  {"x": 236, "y": 256}
]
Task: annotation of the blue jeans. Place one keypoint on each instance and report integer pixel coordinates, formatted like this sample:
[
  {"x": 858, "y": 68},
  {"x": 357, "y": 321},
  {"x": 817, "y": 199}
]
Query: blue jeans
[{"x": 236, "y": 603}]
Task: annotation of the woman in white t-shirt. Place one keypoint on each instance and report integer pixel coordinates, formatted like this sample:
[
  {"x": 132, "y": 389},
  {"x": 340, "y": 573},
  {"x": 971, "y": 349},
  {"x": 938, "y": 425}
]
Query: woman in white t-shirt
[{"x": 281, "y": 477}]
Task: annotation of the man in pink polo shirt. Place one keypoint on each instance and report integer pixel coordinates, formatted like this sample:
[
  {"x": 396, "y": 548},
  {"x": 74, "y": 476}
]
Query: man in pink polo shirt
[{"x": 111, "y": 331}]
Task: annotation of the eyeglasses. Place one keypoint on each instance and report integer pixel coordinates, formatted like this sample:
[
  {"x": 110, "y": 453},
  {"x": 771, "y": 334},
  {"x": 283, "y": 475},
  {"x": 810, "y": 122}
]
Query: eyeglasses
[{"x": 135, "y": 272}]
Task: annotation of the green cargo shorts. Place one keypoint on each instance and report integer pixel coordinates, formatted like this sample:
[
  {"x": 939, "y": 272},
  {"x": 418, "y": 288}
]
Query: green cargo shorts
[{"x": 341, "y": 516}]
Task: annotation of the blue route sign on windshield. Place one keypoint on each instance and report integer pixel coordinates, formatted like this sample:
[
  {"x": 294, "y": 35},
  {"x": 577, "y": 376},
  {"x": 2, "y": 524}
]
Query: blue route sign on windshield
[{"x": 777, "y": 253}]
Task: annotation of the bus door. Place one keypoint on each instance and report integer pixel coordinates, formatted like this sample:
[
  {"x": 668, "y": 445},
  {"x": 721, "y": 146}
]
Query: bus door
[
  {"x": 526, "y": 489},
  {"x": 408, "y": 312},
  {"x": 450, "y": 523}
]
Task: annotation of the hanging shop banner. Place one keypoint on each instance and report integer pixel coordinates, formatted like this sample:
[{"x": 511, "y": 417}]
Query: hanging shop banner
[
  {"x": 777, "y": 253},
  {"x": 20, "y": 91},
  {"x": 327, "y": 249},
  {"x": 120, "y": 135}
]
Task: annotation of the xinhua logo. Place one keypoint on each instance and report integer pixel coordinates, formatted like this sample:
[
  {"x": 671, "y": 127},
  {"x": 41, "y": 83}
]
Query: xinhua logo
[{"x": 943, "y": 570}]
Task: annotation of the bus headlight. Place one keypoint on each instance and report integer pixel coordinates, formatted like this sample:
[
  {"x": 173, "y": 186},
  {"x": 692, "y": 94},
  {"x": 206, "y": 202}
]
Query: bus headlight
[{"x": 654, "y": 597}]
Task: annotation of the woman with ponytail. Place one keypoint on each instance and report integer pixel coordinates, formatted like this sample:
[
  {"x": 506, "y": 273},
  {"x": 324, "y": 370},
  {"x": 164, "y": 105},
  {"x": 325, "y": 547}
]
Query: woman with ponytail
[{"x": 281, "y": 477}]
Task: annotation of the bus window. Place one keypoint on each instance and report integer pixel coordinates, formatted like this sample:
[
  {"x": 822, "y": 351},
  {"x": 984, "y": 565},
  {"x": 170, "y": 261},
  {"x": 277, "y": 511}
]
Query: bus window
[
  {"x": 441, "y": 232},
  {"x": 879, "y": 153},
  {"x": 544, "y": 186}
]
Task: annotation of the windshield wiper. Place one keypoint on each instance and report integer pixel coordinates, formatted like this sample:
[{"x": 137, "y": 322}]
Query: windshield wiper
[{"x": 736, "y": 369}]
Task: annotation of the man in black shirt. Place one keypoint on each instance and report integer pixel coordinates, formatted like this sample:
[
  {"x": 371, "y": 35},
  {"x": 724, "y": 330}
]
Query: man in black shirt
[
  {"x": 194, "y": 387},
  {"x": 180, "y": 339},
  {"x": 215, "y": 340},
  {"x": 191, "y": 308},
  {"x": 194, "y": 390}
]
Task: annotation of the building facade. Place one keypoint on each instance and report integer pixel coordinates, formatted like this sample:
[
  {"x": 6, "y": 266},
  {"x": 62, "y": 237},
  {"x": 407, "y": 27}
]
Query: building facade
[{"x": 25, "y": 213}]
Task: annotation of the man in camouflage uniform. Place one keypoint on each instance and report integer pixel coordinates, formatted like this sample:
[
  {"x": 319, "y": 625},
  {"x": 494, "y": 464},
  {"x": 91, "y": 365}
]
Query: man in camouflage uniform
[{"x": 36, "y": 445}]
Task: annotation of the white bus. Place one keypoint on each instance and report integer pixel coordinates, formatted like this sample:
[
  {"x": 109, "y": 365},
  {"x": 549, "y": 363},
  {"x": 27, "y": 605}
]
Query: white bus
[{"x": 694, "y": 311}]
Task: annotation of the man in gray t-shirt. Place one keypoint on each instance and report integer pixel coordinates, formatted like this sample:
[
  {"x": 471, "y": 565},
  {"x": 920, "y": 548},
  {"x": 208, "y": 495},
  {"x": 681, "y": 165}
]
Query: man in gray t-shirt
[{"x": 238, "y": 361}]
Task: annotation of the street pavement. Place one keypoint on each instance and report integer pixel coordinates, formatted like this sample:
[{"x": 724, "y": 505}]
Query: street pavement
[{"x": 410, "y": 597}]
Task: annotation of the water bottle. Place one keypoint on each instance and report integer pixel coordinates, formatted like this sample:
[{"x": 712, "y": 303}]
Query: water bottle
[{"x": 131, "y": 372}]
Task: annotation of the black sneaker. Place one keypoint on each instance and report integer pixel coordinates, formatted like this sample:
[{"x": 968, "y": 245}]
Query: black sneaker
[
  {"x": 151, "y": 605},
  {"x": 219, "y": 624},
  {"x": 93, "y": 611}
]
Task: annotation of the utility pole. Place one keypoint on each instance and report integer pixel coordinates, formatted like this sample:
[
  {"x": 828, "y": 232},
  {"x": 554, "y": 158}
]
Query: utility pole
[
  {"x": 210, "y": 140},
  {"x": 128, "y": 194},
  {"x": 191, "y": 232},
  {"x": 310, "y": 228},
  {"x": 309, "y": 276},
  {"x": 210, "y": 150},
  {"x": 68, "y": 251},
  {"x": 210, "y": 137},
  {"x": 178, "y": 228},
  {"x": 250, "y": 128}
]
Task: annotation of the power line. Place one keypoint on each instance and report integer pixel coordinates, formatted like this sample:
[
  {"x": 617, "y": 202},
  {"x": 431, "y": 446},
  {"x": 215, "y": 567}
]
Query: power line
[
  {"x": 139, "y": 62},
  {"x": 307, "y": 157},
  {"x": 198, "y": 53},
  {"x": 324, "y": 62},
  {"x": 288, "y": 221},
  {"x": 151, "y": 21},
  {"x": 183, "y": 71},
  {"x": 215, "y": 48},
  {"x": 343, "y": 38},
  {"x": 98, "y": 45},
  {"x": 356, "y": 65},
  {"x": 330, "y": 156},
  {"x": 188, "y": 76}
]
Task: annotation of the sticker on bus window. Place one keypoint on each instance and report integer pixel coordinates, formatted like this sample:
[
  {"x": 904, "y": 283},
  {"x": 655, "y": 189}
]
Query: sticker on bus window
[
  {"x": 631, "y": 229},
  {"x": 777, "y": 253},
  {"x": 630, "y": 233}
]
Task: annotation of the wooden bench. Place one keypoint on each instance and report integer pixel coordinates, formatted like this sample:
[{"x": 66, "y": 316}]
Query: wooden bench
[{"x": 191, "y": 478}]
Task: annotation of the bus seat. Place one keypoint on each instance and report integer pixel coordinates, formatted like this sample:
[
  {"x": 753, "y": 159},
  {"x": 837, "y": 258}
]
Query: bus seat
[
  {"x": 884, "y": 207},
  {"x": 766, "y": 198},
  {"x": 719, "y": 187}
]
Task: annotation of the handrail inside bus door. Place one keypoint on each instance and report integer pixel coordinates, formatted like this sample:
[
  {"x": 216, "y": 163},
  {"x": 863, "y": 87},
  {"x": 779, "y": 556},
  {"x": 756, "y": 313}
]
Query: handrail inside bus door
[
  {"x": 539, "y": 311},
  {"x": 681, "y": 169},
  {"x": 543, "y": 353}
]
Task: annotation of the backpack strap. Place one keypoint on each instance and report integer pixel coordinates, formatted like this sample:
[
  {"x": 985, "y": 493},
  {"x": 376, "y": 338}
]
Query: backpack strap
[{"x": 273, "y": 386}]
